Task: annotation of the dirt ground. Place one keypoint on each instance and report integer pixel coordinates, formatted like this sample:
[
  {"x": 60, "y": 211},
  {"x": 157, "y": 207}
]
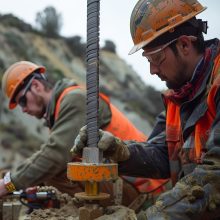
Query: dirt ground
[{"x": 69, "y": 210}]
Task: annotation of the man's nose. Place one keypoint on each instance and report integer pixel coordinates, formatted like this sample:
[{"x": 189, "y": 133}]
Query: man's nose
[{"x": 154, "y": 69}]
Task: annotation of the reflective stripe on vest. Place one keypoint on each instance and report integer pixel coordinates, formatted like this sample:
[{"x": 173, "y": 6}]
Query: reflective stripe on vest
[
  {"x": 177, "y": 155},
  {"x": 119, "y": 125}
]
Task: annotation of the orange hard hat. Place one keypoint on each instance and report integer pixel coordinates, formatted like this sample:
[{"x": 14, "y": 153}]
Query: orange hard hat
[
  {"x": 14, "y": 77},
  {"x": 152, "y": 18}
]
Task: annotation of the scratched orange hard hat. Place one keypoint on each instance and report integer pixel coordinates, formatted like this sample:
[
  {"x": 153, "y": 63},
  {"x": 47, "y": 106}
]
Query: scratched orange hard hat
[
  {"x": 14, "y": 77},
  {"x": 152, "y": 18}
]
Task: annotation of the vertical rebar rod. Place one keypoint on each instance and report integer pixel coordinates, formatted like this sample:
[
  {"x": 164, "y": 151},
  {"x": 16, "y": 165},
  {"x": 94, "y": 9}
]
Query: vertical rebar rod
[{"x": 92, "y": 76}]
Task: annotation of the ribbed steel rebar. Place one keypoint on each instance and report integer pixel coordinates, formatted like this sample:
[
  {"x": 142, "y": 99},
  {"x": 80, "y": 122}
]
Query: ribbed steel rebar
[{"x": 92, "y": 76}]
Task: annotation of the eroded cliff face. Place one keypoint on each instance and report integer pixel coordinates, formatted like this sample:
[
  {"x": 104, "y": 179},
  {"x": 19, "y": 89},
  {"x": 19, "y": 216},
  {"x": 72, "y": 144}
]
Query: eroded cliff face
[{"x": 140, "y": 103}]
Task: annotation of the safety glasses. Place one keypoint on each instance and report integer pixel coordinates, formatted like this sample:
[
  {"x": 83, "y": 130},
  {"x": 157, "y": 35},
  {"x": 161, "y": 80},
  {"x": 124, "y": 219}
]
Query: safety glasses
[
  {"x": 22, "y": 101},
  {"x": 157, "y": 56}
]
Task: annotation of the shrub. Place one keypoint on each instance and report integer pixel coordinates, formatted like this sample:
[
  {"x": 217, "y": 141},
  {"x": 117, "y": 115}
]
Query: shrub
[
  {"x": 77, "y": 47},
  {"x": 49, "y": 22},
  {"x": 109, "y": 46},
  {"x": 17, "y": 44},
  {"x": 11, "y": 21}
]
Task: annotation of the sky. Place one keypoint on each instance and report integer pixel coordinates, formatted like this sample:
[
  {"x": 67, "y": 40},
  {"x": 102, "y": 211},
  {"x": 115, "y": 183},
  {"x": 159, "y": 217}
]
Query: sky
[{"x": 114, "y": 25}]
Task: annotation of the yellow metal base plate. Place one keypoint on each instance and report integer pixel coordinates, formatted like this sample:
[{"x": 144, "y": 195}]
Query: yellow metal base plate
[{"x": 92, "y": 172}]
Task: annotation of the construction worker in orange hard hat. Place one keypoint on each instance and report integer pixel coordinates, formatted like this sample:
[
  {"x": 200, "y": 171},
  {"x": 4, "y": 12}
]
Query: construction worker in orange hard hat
[
  {"x": 63, "y": 106},
  {"x": 15, "y": 77},
  {"x": 185, "y": 143}
]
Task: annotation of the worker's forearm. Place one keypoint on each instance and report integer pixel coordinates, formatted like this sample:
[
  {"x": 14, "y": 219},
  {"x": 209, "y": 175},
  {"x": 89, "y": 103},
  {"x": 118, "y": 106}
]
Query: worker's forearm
[
  {"x": 41, "y": 166},
  {"x": 54, "y": 155},
  {"x": 145, "y": 161}
]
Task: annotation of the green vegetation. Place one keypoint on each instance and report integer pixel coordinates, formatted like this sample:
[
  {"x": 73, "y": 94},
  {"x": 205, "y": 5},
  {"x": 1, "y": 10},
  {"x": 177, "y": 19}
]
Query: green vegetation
[
  {"x": 109, "y": 46},
  {"x": 9, "y": 20},
  {"x": 49, "y": 22},
  {"x": 77, "y": 47},
  {"x": 17, "y": 44}
]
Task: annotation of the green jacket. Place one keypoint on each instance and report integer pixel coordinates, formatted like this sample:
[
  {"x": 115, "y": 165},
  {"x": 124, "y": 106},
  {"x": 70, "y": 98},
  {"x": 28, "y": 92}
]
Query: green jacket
[{"x": 49, "y": 164}]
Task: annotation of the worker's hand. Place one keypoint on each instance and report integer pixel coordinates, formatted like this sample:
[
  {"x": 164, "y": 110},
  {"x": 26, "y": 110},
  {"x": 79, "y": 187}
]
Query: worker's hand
[
  {"x": 3, "y": 190},
  {"x": 113, "y": 148},
  {"x": 188, "y": 199},
  {"x": 80, "y": 142}
]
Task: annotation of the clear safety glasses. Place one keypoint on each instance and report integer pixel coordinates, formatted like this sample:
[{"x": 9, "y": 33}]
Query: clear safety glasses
[{"x": 157, "y": 56}]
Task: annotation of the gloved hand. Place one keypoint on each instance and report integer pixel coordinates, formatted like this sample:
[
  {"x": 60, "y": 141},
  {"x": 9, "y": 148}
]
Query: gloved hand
[
  {"x": 113, "y": 148},
  {"x": 187, "y": 200}
]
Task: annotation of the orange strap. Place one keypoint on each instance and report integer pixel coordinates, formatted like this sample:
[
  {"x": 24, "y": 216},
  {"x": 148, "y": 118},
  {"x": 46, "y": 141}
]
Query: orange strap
[
  {"x": 65, "y": 91},
  {"x": 119, "y": 125}
]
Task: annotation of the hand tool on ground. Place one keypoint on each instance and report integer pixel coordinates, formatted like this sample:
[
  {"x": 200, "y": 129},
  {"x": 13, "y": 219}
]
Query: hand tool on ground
[{"x": 37, "y": 200}]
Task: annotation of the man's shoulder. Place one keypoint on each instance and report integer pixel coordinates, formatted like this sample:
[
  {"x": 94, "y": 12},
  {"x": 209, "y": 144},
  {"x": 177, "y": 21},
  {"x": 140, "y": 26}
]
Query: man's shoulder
[
  {"x": 73, "y": 96},
  {"x": 73, "y": 92}
]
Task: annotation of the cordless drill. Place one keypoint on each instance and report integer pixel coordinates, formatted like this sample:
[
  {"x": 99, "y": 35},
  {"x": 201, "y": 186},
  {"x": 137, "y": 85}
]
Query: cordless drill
[{"x": 37, "y": 200}]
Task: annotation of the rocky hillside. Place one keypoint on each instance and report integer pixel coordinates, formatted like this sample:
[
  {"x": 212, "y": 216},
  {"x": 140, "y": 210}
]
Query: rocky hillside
[{"x": 63, "y": 57}]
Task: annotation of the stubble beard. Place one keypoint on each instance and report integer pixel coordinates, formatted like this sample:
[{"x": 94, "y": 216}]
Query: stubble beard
[
  {"x": 40, "y": 102},
  {"x": 180, "y": 79}
]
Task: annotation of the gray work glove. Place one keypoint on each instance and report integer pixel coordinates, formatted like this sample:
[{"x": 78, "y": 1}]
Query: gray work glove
[
  {"x": 142, "y": 215},
  {"x": 194, "y": 197},
  {"x": 113, "y": 148}
]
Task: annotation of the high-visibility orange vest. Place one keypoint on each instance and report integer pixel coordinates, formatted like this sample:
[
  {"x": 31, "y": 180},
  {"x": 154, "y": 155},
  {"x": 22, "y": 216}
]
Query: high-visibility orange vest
[
  {"x": 121, "y": 127},
  {"x": 201, "y": 132}
]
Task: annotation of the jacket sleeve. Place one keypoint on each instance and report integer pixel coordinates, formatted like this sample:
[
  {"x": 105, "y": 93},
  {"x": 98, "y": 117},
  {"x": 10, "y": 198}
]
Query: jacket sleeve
[
  {"x": 151, "y": 157},
  {"x": 53, "y": 156}
]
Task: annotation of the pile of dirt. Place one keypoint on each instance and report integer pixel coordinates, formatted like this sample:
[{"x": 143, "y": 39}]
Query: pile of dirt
[{"x": 67, "y": 210}]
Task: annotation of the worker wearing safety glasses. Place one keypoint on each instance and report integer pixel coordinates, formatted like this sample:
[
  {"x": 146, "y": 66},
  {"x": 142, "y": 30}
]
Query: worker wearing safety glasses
[
  {"x": 63, "y": 107},
  {"x": 185, "y": 142}
]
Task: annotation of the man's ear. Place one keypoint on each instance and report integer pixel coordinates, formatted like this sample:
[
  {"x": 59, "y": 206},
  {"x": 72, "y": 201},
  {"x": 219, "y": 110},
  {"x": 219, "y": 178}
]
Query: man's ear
[
  {"x": 184, "y": 43},
  {"x": 37, "y": 86}
]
